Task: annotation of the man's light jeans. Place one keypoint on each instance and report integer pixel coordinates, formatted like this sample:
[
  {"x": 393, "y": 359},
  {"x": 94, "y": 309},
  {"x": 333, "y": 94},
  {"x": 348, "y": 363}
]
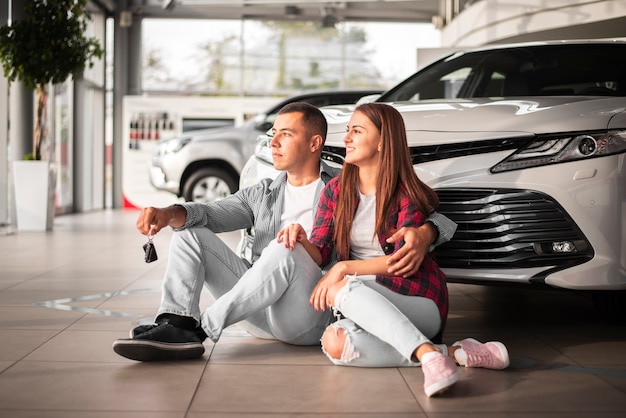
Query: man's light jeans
[{"x": 271, "y": 298}]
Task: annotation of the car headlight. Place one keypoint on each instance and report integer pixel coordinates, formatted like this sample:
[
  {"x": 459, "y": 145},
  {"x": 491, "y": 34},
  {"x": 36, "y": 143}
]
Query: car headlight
[
  {"x": 172, "y": 145},
  {"x": 556, "y": 149},
  {"x": 262, "y": 150}
]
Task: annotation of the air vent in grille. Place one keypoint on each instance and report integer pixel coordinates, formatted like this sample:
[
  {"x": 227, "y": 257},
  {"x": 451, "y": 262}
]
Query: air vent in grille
[{"x": 507, "y": 229}]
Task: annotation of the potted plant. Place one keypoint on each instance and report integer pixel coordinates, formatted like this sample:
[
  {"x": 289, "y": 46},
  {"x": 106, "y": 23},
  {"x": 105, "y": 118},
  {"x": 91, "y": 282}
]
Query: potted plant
[{"x": 46, "y": 47}]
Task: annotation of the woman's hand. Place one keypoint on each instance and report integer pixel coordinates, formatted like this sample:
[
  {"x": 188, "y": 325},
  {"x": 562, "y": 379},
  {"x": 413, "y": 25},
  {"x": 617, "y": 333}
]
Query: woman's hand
[
  {"x": 323, "y": 295},
  {"x": 292, "y": 234}
]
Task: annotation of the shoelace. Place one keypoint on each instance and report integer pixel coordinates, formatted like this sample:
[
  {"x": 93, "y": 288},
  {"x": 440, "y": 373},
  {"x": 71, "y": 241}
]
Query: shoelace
[{"x": 479, "y": 356}]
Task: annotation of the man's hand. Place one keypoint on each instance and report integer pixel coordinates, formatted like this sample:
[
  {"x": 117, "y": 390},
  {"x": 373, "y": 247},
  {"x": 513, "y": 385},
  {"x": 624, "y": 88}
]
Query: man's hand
[
  {"x": 151, "y": 220},
  {"x": 292, "y": 234},
  {"x": 295, "y": 233},
  {"x": 408, "y": 259}
]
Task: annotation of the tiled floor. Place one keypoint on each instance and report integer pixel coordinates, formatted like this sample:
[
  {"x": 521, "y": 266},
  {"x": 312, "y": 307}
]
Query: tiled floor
[{"x": 66, "y": 295}]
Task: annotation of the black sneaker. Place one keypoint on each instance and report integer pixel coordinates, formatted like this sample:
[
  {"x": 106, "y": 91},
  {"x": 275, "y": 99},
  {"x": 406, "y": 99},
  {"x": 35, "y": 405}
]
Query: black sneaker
[
  {"x": 140, "y": 329},
  {"x": 163, "y": 342},
  {"x": 178, "y": 321}
]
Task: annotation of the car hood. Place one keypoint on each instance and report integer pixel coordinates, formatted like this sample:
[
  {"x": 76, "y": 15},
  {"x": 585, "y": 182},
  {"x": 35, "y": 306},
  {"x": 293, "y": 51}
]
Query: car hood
[{"x": 437, "y": 121}]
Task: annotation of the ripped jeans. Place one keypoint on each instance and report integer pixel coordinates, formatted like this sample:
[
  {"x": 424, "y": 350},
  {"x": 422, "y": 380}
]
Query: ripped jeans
[
  {"x": 382, "y": 328},
  {"x": 269, "y": 300}
]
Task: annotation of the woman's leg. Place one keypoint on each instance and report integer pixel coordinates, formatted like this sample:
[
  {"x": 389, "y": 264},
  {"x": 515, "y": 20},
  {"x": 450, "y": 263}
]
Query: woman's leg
[
  {"x": 367, "y": 340},
  {"x": 383, "y": 328}
]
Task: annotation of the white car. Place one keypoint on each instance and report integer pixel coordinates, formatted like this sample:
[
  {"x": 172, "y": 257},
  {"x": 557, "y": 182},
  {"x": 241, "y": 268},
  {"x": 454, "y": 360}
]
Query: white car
[{"x": 526, "y": 146}]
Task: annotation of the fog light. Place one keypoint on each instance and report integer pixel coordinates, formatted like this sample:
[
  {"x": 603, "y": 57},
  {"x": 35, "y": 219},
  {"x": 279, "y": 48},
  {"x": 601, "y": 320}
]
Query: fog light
[
  {"x": 557, "y": 247},
  {"x": 563, "y": 247}
]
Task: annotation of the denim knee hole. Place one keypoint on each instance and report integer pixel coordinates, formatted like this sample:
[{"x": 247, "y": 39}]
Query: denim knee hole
[{"x": 348, "y": 352}]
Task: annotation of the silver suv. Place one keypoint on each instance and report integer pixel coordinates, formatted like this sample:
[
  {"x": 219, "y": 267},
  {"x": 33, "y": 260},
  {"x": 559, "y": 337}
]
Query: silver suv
[{"x": 204, "y": 165}]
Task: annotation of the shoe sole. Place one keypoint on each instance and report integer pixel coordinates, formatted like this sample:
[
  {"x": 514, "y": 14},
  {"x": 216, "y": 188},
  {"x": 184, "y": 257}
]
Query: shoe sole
[
  {"x": 141, "y": 350},
  {"x": 442, "y": 385}
]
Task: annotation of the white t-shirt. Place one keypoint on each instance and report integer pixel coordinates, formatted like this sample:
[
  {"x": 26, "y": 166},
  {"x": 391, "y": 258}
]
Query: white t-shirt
[
  {"x": 363, "y": 242},
  {"x": 298, "y": 206}
]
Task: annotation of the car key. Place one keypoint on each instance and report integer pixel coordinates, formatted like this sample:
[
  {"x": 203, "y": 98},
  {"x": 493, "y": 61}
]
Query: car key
[{"x": 150, "y": 251}]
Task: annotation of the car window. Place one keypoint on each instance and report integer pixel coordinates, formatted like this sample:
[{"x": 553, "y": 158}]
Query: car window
[{"x": 521, "y": 71}]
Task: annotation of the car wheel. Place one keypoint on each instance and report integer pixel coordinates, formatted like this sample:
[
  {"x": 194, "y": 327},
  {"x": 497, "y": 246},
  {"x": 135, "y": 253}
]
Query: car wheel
[
  {"x": 208, "y": 185},
  {"x": 611, "y": 305}
]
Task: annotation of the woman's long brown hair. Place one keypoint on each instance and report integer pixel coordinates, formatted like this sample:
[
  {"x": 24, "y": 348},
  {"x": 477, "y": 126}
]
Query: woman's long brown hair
[{"x": 396, "y": 168}]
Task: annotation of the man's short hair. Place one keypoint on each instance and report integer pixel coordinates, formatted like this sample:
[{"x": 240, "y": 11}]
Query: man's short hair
[{"x": 312, "y": 117}]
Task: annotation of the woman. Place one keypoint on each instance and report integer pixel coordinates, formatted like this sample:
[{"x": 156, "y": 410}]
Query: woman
[{"x": 389, "y": 321}]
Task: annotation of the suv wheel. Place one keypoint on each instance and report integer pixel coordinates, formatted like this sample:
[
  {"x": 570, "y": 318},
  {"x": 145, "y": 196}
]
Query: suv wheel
[{"x": 208, "y": 185}]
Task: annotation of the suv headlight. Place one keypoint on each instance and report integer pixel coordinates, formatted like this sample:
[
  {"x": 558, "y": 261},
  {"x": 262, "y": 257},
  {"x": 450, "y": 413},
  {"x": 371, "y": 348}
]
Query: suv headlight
[
  {"x": 172, "y": 145},
  {"x": 555, "y": 149},
  {"x": 262, "y": 151}
]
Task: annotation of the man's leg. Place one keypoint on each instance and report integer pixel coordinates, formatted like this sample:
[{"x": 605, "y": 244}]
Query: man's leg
[
  {"x": 197, "y": 257},
  {"x": 278, "y": 285},
  {"x": 201, "y": 257}
]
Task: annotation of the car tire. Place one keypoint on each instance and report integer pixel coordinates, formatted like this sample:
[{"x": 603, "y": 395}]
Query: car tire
[
  {"x": 209, "y": 184},
  {"x": 611, "y": 305}
]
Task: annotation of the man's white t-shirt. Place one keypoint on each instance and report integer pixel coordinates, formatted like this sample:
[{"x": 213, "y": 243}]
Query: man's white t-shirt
[{"x": 298, "y": 206}]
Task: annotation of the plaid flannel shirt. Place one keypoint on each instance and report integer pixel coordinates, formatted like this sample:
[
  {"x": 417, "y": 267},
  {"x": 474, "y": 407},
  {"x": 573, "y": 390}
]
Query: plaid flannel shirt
[{"x": 429, "y": 281}]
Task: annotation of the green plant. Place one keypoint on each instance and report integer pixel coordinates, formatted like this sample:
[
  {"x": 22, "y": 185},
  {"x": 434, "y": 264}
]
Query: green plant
[{"x": 47, "y": 46}]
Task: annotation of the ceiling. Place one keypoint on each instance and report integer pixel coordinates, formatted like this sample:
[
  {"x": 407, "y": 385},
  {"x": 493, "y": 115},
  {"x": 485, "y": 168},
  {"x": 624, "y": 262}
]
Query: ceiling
[{"x": 328, "y": 12}]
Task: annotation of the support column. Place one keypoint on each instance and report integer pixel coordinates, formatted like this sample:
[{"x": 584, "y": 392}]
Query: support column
[
  {"x": 4, "y": 135},
  {"x": 127, "y": 80}
]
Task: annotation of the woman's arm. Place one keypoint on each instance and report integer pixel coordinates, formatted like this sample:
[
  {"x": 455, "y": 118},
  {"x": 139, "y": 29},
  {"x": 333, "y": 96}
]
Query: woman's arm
[
  {"x": 323, "y": 294},
  {"x": 376, "y": 266}
]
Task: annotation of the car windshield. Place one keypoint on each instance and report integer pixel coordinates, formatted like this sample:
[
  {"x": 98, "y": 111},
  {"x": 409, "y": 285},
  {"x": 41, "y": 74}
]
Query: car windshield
[{"x": 538, "y": 70}]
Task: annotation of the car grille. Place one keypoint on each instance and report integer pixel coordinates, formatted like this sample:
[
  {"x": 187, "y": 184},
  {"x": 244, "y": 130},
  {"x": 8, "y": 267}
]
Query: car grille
[{"x": 508, "y": 229}]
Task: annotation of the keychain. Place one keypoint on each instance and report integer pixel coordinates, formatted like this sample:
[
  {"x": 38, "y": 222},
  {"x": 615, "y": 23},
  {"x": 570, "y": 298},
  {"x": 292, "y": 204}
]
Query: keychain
[{"x": 151, "y": 254}]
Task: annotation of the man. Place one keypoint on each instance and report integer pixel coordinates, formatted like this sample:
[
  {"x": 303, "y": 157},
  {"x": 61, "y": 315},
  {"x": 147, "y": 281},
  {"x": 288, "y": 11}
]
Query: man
[{"x": 269, "y": 299}]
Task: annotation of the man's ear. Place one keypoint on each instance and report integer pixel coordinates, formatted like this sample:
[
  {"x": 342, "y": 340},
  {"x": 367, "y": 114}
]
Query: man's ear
[{"x": 316, "y": 142}]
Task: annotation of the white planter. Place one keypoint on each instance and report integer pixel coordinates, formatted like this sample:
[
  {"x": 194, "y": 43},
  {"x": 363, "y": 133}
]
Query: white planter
[{"x": 34, "y": 195}]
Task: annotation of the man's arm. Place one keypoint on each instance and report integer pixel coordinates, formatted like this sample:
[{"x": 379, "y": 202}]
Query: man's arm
[
  {"x": 444, "y": 226},
  {"x": 418, "y": 242},
  {"x": 236, "y": 211}
]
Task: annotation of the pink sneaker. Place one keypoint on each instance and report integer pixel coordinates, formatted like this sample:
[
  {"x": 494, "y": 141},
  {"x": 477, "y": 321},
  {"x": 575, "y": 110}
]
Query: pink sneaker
[
  {"x": 440, "y": 372},
  {"x": 491, "y": 355}
]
